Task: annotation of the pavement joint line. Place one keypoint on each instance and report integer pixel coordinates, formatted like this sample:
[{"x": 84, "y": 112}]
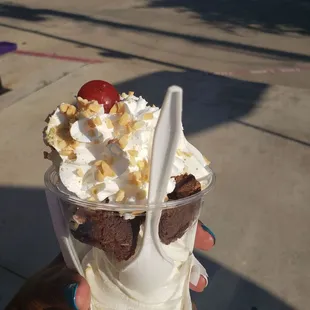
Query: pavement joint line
[
  {"x": 41, "y": 87},
  {"x": 261, "y": 71},
  {"x": 274, "y": 133},
  {"x": 13, "y": 272}
]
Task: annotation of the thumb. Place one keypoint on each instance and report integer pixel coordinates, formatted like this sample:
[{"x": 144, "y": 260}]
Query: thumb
[
  {"x": 77, "y": 294},
  {"x": 64, "y": 289},
  {"x": 55, "y": 287}
]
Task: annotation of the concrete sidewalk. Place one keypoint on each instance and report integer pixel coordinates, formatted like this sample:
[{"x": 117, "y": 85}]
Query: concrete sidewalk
[
  {"x": 254, "y": 128},
  {"x": 183, "y": 34}
]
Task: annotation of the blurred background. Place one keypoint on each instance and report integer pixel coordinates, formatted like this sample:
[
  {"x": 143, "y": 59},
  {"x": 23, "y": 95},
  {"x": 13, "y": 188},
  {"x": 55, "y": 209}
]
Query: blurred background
[{"x": 245, "y": 70}]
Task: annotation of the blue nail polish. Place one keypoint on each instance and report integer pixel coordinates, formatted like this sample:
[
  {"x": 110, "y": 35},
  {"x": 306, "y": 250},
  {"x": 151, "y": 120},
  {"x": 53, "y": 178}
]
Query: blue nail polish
[
  {"x": 70, "y": 292},
  {"x": 205, "y": 228}
]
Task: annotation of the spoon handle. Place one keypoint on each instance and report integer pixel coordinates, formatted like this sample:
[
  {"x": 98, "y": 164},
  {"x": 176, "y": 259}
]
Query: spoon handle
[{"x": 165, "y": 142}]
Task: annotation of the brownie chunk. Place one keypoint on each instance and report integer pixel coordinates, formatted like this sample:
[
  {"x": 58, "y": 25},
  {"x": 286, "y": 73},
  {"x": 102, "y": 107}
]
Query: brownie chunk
[
  {"x": 109, "y": 232},
  {"x": 186, "y": 185},
  {"x": 174, "y": 222}
]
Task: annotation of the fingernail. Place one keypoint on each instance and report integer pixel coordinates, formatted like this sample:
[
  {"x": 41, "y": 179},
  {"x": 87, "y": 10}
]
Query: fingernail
[
  {"x": 205, "y": 228},
  {"x": 70, "y": 292},
  {"x": 194, "y": 275},
  {"x": 207, "y": 280}
]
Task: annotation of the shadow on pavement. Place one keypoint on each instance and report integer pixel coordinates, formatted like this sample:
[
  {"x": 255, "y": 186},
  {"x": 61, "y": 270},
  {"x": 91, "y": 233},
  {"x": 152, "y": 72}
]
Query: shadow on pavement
[
  {"x": 27, "y": 241},
  {"x": 27, "y": 236},
  {"x": 20, "y": 12},
  {"x": 209, "y": 100},
  {"x": 229, "y": 291},
  {"x": 238, "y": 95},
  {"x": 274, "y": 16}
]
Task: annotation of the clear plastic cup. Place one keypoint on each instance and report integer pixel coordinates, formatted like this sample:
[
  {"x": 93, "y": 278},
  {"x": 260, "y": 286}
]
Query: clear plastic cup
[{"x": 105, "y": 237}]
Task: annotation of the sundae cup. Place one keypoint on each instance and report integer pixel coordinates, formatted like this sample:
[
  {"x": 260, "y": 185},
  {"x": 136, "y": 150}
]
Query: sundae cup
[{"x": 97, "y": 190}]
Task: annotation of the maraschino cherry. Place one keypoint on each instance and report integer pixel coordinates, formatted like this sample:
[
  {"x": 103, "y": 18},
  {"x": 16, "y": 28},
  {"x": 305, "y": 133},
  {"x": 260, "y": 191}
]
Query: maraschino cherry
[{"x": 102, "y": 91}]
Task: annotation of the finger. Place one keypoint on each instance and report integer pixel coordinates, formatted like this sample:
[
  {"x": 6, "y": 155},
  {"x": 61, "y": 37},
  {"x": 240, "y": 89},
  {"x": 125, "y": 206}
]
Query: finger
[
  {"x": 77, "y": 295},
  {"x": 202, "y": 283},
  {"x": 83, "y": 295},
  {"x": 56, "y": 287},
  {"x": 205, "y": 238},
  {"x": 68, "y": 289},
  {"x": 77, "y": 292}
]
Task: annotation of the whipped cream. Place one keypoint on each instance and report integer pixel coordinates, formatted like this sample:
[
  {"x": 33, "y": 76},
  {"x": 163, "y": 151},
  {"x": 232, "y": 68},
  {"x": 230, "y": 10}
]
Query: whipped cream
[{"x": 107, "y": 155}]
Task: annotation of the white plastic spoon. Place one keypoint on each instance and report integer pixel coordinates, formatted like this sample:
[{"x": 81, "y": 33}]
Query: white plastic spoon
[{"x": 151, "y": 268}]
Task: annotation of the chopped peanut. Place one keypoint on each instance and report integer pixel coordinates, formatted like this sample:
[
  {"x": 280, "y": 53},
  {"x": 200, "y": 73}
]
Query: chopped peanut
[
  {"x": 137, "y": 212},
  {"x": 146, "y": 164},
  {"x": 79, "y": 172},
  {"x": 107, "y": 171},
  {"x": 109, "y": 160},
  {"x": 148, "y": 116},
  {"x": 145, "y": 175},
  {"x": 94, "y": 190},
  {"x": 141, "y": 194},
  {"x": 91, "y": 123},
  {"x": 97, "y": 121},
  {"x": 52, "y": 131},
  {"x": 73, "y": 144},
  {"x": 129, "y": 128},
  {"x": 125, "y": 119},
  {"x": 114, "y": 109},
  {"x": 72, "y": 156},
  {"x": 138, "y": 125},
  {"x": 62, "y": 144},
  {"x": 71, "y": 110},
  {"x": 94, "y": 107},
  {"x": 65, "y": 152},
  {"x": 132, "y": 160},
  {"x": 123, "y": 141},
  {"x": 99, "y": 176},
  {"x": 64, "y": 107},
  {"x": 131, "y": 93},
  {"x": 208, "y": 162},
  {"x": 135, "y": 177},
  {"x": 133, "y": 152},
  {"x": 141, "y": 164},
  {"x": 84, "y": 102},
  {"x": 118, "y": 107},
  {"x": 120, "y": 195},
  {"x": 181, "y": 153},
  {"x": 109, "y": 123}
]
